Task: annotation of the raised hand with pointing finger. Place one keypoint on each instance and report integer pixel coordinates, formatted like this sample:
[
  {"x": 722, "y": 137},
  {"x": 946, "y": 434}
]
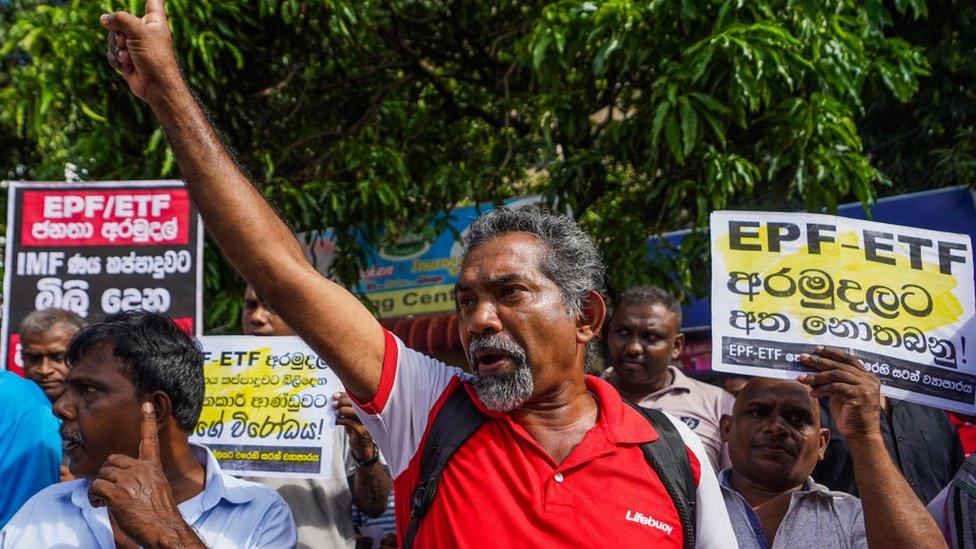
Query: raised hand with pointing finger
[
  {"x": 138, "y": 495},
  {"x": 141, "y": 49}
]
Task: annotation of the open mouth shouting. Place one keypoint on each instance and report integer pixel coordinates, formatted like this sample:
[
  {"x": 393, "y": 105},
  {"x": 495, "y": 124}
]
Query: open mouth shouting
[{"x": 494, "y": 354}]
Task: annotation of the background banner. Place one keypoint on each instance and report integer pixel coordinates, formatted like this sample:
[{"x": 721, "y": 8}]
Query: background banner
[
  {"x": 100, "y": 248},
  {"x": 899, "y": 298},
  {"x": 267, "y": 410}
]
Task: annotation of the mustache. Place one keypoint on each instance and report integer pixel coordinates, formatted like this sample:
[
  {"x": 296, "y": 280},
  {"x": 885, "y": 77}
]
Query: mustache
[
  {"x": 495, "y": 344},
  {"x": 72, "y": 436},
  {"x": 777, "y": 445}
]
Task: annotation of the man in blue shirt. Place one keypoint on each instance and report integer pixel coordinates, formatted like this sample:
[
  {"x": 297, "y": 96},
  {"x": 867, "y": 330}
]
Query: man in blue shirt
[
  {"x": 30, "y": 448},
  {"x": 133, "y": 394}
]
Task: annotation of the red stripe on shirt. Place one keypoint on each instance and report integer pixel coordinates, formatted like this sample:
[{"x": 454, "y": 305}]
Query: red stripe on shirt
[{"x": 387, "y": 377}]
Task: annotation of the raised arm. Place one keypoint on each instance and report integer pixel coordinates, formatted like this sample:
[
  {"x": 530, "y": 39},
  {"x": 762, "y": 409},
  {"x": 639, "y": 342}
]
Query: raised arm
[
  {"x": 249, "y": 232},
  {"x": 893, "y": 515}
]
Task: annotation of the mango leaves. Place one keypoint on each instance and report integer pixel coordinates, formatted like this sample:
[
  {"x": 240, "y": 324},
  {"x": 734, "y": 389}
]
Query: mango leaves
[{"x": 641, "y": 116}]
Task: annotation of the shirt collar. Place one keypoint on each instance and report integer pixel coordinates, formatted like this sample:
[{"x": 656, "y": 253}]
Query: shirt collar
[
  {"x": 725, "y": 481},
  {"x": 623, "y": 424},
  {"x": 681, "y": 381},
  {"x": 217, "y": 486}
]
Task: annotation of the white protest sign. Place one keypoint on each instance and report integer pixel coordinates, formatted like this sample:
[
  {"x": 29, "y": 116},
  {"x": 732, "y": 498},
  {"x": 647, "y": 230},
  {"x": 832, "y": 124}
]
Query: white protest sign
[
  {"x": 898, "y": 298},
  {"x": 267, "y": 409}
]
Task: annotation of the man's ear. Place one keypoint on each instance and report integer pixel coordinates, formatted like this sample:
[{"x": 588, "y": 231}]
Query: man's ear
[
  {"x": 725, "y": 425},
  {"x": 593, "y": 312},
  {"x": 679, "y": 345},
  {"x": 824, "y": 440},
  {"x": 163, "y": 407}
]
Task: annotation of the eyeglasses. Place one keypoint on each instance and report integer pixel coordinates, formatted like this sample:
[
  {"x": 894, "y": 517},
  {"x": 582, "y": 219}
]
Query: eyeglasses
[{"x": 38, "y": 358}]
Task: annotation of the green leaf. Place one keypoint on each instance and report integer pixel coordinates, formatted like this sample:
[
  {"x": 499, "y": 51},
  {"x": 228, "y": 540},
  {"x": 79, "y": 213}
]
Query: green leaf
[
  {"x": 658, "y": 123},
  {"x": 539, "y": 50},
  {"x": 689, "y": 126},
  {"x": 90, "y": 113},
  {"x": 672, "y": 134}
]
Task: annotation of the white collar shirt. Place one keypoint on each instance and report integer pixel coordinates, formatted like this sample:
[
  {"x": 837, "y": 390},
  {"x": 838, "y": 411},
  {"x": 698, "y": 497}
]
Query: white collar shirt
[{"x": 229, "y": 512}]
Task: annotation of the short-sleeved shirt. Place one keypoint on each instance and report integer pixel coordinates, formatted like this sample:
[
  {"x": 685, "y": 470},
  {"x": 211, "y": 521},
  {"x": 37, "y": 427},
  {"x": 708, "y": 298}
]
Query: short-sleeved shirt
[
  {"x": 322, "y": 507},
  {"x": 699, "y": 405},
  {"x": 817, "y": 517},
  {"x": 954, "y": 508},
  {"x": 501, "y": 489},
  {"x": 228, "y": 513},
  {"x": 30, "y": 445}
]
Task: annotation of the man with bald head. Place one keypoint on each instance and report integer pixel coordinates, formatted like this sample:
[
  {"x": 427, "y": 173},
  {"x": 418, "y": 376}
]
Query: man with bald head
[{"x": 775, "y": 439}]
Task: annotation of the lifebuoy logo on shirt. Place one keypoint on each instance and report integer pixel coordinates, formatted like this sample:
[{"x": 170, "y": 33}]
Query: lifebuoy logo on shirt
[{"x": 646, "y": 520}]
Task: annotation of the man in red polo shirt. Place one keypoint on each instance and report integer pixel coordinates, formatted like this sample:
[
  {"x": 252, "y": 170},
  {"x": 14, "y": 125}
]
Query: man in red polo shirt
[{"x": 558, "y": 461}]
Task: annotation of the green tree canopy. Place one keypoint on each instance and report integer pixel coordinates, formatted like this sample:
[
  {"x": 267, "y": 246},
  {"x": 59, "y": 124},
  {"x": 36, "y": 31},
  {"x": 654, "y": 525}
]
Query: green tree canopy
[{"x": 640, "y": 116}]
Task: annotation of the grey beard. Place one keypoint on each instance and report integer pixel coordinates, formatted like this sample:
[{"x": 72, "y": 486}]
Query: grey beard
[
  {"x": 505, "y": 392},
  {"x": 502, "y": 392}
]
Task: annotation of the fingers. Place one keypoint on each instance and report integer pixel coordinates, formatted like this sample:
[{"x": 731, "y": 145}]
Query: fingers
[
  {"x": 830, "y": 376},
  {"x": 120, "y": 461},
  {"x": 844, "y": 391},
  {"x": 341, "y": 399},
  {"x": 831, "y": 359},
  {"x": 110, "y": 473},
  {"x": 149, "y": 443},
  {"x": 840, "y": 356},
  {"x": 101, "y": 492},
  {"x": 120, "y": 21},
  {"x": 345, "y": 413},
  {"x": 117, "y": 56},
  {"x": 126, "y": 61}
]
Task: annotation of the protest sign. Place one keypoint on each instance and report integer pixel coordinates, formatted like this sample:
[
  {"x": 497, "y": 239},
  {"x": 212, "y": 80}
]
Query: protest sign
[
  {"x": 267, "y": 410},
  {"x": 898, "y": 298},
  {"x": 100, "y": 248}
]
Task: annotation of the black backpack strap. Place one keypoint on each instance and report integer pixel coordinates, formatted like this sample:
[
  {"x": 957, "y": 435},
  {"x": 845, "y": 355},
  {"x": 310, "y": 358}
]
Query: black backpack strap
[
  {"x": 668, "y": 458},
  {"x": 457, "y": 420}
]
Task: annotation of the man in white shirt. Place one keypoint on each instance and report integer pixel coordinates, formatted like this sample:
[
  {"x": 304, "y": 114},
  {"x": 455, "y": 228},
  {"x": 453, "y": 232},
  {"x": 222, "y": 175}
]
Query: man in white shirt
[
  {"x": 133, "y": 394},
  {"x": 323, "y": 507}
]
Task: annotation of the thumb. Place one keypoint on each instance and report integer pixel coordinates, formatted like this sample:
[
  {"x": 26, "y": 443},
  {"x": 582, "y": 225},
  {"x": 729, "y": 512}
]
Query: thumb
[
  {"x": 155, "y": 8},
  {"x": 120, "y": 21}
]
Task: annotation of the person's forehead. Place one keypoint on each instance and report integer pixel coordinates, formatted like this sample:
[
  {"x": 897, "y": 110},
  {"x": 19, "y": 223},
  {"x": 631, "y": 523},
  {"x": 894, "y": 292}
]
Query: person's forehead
[
  {"x": 772, "y": 392},
  {"x": 644, "y": 314},
  {"x": 59, "y": 334},
  {"x": 98, "y": 362},
  {"x": 508, "y": 254}
]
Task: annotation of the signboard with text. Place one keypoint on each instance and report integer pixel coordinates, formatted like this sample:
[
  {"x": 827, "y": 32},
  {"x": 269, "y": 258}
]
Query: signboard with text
[
  {"x": 267, "y": 409},
  {"x": 413, "y": 275},
  {"x": 898, "y": 298},
  {"x": 101, "y": 248}
]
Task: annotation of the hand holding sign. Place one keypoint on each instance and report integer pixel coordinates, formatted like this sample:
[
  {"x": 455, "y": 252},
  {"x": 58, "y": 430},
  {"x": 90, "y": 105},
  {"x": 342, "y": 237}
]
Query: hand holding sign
[
  {"x": 141, "y": 49},
  {"x": 855, "y": 394},
  {"x": 136, "y": 492}
]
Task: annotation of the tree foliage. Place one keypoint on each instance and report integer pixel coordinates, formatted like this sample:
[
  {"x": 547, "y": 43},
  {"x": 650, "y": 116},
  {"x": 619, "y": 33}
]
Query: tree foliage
[
  {"x": 930, "y": 141},
  {"x": 640, "y": 116}
]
